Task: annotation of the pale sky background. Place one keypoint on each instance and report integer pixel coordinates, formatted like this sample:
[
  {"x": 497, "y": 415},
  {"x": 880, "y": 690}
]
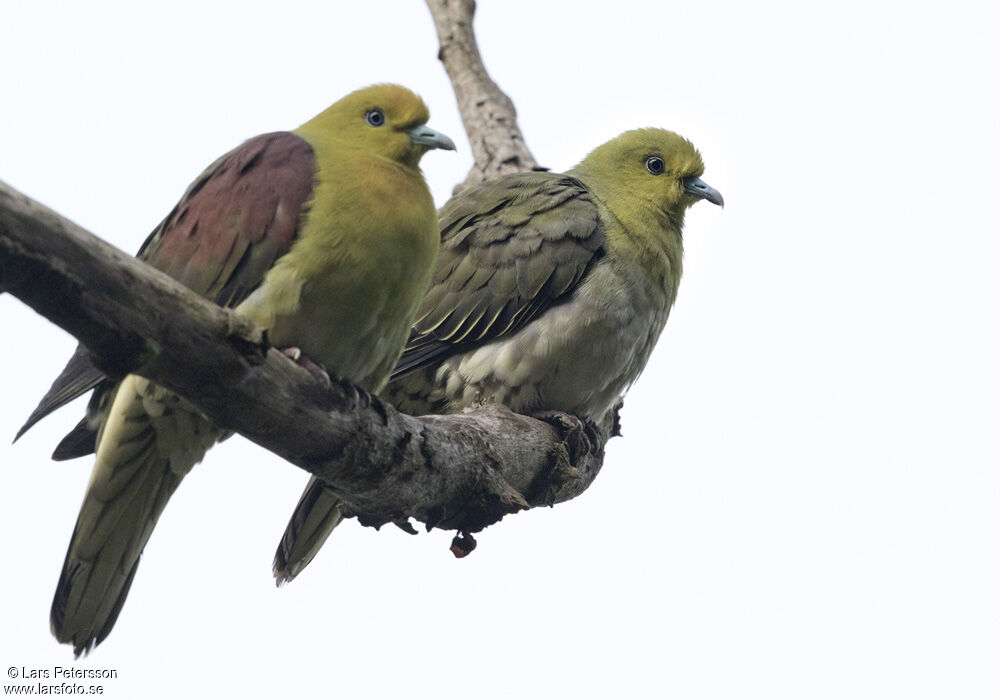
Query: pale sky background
[{"x": 804, "y": 504}]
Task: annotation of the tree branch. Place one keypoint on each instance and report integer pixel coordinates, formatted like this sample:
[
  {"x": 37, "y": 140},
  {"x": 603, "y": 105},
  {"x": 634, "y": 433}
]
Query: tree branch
[
  {"x": 488, "y": 115},
  {"x": 461, "y": 472}
]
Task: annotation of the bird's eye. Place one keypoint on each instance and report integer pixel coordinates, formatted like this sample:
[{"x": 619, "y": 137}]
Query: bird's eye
[
  {"x": 375, "y": 117},
  {"x": 654, "y": 164}
]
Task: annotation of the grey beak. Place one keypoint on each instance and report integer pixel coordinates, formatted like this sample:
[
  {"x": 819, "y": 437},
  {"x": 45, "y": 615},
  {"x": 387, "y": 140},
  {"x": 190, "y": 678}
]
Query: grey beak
[
  {"x": 426, "y": 136},
  {"x": 696, "y": 187}
]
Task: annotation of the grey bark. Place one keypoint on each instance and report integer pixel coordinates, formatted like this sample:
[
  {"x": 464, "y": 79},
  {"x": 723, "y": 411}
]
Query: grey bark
[
  {"x": 487, "y": 113},
  {"x": 460, "y": 472}
]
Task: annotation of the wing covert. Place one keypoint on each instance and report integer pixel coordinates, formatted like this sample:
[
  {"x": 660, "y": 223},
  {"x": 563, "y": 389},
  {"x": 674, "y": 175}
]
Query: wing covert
[
  {"x": 232, "y": 223},
  {"x": 510, "y": 249},
  {"x": 236, "y": 218}
]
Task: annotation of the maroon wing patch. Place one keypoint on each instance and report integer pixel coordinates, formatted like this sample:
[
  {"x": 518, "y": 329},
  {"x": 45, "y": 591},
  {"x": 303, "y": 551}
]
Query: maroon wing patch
[
  {"x": 233, "y": 222},
  {"x": 236, "y": 219}
]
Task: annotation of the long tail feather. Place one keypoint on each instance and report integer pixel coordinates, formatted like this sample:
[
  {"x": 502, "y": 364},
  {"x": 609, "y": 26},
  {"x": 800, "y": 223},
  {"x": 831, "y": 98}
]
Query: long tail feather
[
  {"x": 315, "y": 517},
  {"x": 150, "y": 441}
]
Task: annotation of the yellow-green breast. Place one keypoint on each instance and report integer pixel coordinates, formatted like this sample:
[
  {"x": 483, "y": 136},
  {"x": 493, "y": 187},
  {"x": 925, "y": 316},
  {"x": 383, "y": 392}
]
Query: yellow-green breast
[{"x": 346, "y": 291}]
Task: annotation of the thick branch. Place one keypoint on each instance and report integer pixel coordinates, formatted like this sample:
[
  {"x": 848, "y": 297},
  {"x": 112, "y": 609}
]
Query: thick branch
[
  {"x": 487, "y": 113},
  {"x": 459, "y": 472}
]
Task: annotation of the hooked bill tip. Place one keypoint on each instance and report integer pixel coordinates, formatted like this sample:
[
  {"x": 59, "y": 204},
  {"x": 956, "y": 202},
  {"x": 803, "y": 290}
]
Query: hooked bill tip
[{"x": 697, "y": 187}]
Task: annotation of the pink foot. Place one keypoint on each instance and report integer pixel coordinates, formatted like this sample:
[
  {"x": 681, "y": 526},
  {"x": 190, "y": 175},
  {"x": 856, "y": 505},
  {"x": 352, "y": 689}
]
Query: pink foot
[{"x": 295, "y": 354}]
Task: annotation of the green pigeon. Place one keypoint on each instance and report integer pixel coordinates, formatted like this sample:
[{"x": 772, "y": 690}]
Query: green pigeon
[
  {"x": 325, "y": 236},
  {"x": 549, "y": 293}
]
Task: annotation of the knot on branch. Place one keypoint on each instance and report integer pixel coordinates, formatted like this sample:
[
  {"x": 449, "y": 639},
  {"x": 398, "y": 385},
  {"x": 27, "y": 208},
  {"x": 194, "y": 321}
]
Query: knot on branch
[
  {"x": 467, "y": 472},
  {"x": 248, "y": 339}
]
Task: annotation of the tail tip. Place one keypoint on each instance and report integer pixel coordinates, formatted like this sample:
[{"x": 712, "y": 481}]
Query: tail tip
[{"x": 283, "y": 572}]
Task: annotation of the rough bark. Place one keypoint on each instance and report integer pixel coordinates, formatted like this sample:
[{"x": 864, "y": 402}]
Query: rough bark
[
  {"x": 461, "y": 472},
  {"x": 487, "y": 113}
]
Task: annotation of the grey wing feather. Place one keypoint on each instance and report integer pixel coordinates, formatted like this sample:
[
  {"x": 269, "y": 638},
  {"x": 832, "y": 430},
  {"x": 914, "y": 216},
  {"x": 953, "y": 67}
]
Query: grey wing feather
[
  {"x": 79, "y": 442},
  {"x": 82, "y": 439},
  {"x": 77, "y": 378},
  {"x": 510, "y": 249}
]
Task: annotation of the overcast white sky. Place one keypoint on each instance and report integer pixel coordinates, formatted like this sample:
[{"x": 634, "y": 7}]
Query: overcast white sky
[{"x": 804, "y": 504}]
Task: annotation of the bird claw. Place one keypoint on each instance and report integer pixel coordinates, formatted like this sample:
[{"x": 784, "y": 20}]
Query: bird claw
[
  {"x": 581, "y": 436},
  {"x": 296, "y": 356}
]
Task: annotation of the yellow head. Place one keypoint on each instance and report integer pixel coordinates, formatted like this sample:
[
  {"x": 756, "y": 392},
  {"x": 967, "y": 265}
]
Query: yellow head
[
  {"x": 647, "y": 172},
  {"x": 388, "y": 121}
]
